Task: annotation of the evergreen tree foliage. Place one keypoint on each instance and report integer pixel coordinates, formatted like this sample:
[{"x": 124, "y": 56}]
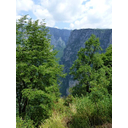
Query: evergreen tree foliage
[{"x": 37, "y": 72}]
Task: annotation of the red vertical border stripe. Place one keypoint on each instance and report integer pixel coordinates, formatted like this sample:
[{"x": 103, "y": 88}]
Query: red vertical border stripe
[{"x": 8, "y": 64}]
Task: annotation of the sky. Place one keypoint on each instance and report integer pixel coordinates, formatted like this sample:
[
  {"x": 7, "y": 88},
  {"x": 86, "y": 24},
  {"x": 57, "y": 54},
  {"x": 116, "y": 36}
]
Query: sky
[{"x": 68, "y": 14}]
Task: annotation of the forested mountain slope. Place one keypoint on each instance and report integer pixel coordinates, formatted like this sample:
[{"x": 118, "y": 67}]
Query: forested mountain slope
[{"x": 76, "y": 41}]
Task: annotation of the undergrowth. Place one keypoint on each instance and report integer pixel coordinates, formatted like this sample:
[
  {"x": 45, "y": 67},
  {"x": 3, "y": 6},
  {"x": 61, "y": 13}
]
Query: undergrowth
[{"x": 78, "y": 112}]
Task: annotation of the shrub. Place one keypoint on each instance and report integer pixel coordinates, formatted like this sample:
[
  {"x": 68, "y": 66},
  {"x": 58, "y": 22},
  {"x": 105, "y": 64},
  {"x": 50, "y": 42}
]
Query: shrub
[
  {"x": 91, "y": 113},
  {"x": 53, "y": 122},
  {"x": 68, "y": 100},
  {"x": 24, "y": 123}
]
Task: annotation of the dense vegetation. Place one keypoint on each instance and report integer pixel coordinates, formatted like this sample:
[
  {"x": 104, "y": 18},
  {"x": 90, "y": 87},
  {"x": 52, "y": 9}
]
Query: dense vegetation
[
  {"x": 37, "y": 71},
  {"x": 76, "y": 41},
  {"x": 37, "y": 82},
  {"x": 92, "y": 69}
]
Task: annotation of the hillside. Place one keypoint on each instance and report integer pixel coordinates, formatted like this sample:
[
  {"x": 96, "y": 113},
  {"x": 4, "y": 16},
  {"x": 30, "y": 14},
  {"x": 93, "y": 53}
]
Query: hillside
[
  {"x": 59, "y": 38},
  {"x": 76, "y": 41}
]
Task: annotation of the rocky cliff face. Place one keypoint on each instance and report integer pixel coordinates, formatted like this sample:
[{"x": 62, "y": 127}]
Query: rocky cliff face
[
  {"x": 59, "y": 38},
  {"x": 59, "y": 35},
  {"x": 76, "y": 41}
]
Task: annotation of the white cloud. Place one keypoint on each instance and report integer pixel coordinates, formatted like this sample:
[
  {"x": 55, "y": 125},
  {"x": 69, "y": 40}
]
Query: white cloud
[
  {"x": 94, "y": 14},
  {"x": 72, "y": 25},
  {"x": 18, "y": 17},
  {"x": 42, "y": 13},
  {"x": 97, "y": 14},
  {"x": 24, "y": 5},
  {"x": 66, "y": 11}
]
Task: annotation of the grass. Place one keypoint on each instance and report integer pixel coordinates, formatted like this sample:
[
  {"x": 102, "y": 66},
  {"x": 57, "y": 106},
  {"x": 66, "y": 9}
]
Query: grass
[{"x": 78, "y": 113}]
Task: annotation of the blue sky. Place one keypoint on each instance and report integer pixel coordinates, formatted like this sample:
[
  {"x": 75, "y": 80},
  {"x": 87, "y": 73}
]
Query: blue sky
[{"x": 68, "y": 14}]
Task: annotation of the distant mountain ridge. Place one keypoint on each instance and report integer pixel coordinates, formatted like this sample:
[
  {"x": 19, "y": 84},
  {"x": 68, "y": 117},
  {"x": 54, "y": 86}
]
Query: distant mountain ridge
[
  {"x": 57, "y": 33},
  {"x": 59, "y": 38},
  {"x": 68, "y": 43},
  {"x": 75, "y": 42}
]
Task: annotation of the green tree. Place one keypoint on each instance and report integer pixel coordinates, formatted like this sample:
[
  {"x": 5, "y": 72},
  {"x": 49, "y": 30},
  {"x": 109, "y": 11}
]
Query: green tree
[
  {"x": 107, "y": 59},
  {"x": 37, "y": 72},
  {"x": 88, "y": 69}
]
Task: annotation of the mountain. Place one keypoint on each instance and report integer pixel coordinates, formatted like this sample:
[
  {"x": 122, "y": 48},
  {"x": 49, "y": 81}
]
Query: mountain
[
  {"x": 59, "y": 38},
  {"x": 57, "y": 33},
  {"x": 76, "y": 40}
]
